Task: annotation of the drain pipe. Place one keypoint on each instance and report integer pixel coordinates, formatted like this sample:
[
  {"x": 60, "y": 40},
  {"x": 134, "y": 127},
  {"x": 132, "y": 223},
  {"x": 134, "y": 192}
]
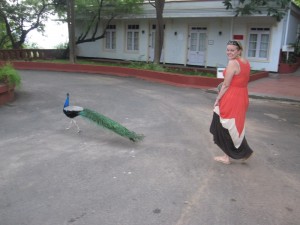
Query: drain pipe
[
  {"x": 287, "y": 27},
  {"x": 232, "y": 19},
  {"x": 287, "y": 30}
]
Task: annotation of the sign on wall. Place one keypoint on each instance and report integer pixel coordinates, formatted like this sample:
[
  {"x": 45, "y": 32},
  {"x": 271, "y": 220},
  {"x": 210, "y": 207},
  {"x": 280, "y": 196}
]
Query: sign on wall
[
  {"x": 288, "y": 48},
  {"x": 238, "y": 37}
]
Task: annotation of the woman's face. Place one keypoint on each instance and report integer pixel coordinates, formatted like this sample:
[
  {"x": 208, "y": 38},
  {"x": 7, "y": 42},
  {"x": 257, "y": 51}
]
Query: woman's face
[{"x": 232, "y": 52}]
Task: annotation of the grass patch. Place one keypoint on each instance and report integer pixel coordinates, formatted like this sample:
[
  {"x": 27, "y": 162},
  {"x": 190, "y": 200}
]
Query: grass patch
[
  {"x": 190, "y": 72},
  {"x": 146, "y": 66}
]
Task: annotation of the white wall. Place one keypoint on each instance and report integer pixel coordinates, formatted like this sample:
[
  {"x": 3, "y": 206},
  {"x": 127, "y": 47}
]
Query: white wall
[
  {"x": 272, "y": 63},
  {"x": 175, "y": 46},
  {"x": 89, "y": 49},
  {"x": 96, "y": 49},
  {"x": 216, "y": 52},
  {"x": 242, "y": 26},
  {"x": 179, "y": 16},
  {"x": 292, "y": 31}
]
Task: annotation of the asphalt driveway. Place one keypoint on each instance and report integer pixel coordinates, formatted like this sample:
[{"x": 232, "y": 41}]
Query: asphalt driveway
[{"x": 53, "y": 176}]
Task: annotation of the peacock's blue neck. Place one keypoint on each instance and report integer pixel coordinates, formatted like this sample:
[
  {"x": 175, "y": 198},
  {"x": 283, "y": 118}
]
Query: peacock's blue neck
[{"x": 67, "y": 101}]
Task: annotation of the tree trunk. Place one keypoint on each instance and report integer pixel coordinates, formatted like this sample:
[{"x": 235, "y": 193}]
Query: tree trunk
[
  {"x": 159, "y": 34},
  {"x": 71, "y": 29}
]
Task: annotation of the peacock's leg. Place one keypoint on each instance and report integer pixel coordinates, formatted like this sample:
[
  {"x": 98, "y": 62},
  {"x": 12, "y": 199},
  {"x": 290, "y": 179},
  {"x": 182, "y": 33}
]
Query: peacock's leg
[
  {"x": 78, "y": 129},
  {"x": 71, "y": 122}
]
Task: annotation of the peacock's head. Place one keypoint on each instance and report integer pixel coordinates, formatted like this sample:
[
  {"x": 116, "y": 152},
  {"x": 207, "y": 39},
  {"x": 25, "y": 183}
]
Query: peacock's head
[{"x": 67, "y": 101}]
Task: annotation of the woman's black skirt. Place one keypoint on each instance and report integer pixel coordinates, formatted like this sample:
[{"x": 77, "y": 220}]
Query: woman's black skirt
[{"x": 223, "y": 139}]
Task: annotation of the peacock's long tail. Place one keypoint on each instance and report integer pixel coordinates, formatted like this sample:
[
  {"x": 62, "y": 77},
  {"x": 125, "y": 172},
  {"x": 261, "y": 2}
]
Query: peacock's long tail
[{"x": 110, "y": 124}]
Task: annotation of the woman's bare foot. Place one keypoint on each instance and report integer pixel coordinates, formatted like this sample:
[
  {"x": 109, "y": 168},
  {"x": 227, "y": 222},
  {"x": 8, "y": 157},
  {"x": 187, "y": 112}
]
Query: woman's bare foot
[{"x": 223, "y": 159}]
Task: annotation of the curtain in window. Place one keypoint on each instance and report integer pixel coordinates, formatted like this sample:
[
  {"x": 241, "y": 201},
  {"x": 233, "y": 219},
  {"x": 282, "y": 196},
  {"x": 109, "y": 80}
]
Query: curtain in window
[
  {"x": 193, "y": 46},
  {"x": 107, "y": 40},
  {"x": 202, "y": 42},
  {"x": 136, "y": 41},
  {"x": 252, "y": 45},
  {"x": 264, "y": 46},
  {"x": 129, "y": 40}
]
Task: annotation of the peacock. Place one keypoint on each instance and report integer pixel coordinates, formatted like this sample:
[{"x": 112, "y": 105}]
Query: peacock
[{"x": 99, "y": 119}]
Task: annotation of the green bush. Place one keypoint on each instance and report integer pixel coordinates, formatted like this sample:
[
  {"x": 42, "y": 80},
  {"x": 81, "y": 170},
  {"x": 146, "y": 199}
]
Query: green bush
[
  {"x": 158, "y": 67},
  {"x": 9, "y": 75},
  {"x": 290, "y": 59}
]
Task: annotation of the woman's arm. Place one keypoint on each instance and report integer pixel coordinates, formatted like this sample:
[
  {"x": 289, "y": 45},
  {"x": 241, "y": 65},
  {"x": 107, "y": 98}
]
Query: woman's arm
[{"x": 231, "y": 70}]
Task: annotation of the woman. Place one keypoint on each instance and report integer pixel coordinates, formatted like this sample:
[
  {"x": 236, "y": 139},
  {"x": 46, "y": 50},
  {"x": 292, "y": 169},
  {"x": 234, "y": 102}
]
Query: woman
[{"x": 228, "y": 123}]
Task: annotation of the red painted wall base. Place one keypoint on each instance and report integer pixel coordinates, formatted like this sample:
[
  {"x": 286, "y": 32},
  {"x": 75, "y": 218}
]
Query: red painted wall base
[
  {"x": 6, "y": 94},
  {"x": 156, "y": 76}
]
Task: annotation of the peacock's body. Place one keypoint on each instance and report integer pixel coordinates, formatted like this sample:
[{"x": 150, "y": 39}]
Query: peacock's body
[{"x": 99, "y": 119}]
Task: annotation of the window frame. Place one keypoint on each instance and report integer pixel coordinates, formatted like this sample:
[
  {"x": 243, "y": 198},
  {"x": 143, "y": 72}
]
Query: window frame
[
  {"x": 259, "y": 31},
  {"x": 132, "y": 30},
  {"x": 110, "y": 43}
]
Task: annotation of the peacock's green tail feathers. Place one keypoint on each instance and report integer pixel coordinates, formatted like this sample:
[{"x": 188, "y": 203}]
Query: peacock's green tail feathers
[{"x": 110, "y": 124}]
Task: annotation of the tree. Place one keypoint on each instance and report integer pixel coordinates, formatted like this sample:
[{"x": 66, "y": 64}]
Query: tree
[
  {"x": 94, "y": 12},
  {"x": 22, "y": 16},
  {"x": 91, "y": 13},
  {"x": 159, "y": 32},
  {"x": 71, "y": 28},
  {"x": 297, "y": 2},
  {"x": 4, "y": 41},
  {"x": 274, "y": 8}
]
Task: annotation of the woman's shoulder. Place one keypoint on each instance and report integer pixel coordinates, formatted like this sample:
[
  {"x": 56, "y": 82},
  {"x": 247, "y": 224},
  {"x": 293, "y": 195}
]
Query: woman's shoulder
[
  {"x": 243, "y": 60},
  {"x": 233, "y": 63}
]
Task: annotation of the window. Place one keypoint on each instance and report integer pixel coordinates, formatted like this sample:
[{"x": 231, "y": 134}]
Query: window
[
  {"x": 259, "y": 42},
  {"x": 110, "y": 37},
  {"x": 198, "y": 39},
  {"x": 133, "y": 37}
]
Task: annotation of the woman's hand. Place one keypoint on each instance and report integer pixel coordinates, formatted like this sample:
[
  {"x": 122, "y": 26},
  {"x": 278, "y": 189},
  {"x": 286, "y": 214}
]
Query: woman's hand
[{"x": 216, "y": 102}]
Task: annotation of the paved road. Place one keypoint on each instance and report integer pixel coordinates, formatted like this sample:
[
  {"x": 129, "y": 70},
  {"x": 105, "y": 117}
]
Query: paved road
[{"x": 53, "y": 176}]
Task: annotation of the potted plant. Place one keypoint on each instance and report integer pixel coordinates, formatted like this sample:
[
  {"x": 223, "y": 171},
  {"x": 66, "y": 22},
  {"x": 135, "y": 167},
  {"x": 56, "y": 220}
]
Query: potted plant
[
  {"x": 9, "y": 76},
  {"x": 9, "y": 79},
  {"x": 288, "y": 63},
  {"x": 296, "y": 46}
]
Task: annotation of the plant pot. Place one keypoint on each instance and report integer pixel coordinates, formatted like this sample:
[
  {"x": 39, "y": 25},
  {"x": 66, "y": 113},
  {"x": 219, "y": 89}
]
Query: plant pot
[
  {"x": 288, "y": 67},
  {"x": 6, "y": 94}
]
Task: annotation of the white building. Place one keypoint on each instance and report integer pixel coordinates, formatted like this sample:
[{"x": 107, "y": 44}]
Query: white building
[{"x": 196, "y": 33}]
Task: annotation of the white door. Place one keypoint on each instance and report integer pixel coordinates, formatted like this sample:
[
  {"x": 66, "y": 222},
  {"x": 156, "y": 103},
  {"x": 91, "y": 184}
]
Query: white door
[
  {"x": 197, "y": 46},
  {"x": 152, "y": 45}
]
